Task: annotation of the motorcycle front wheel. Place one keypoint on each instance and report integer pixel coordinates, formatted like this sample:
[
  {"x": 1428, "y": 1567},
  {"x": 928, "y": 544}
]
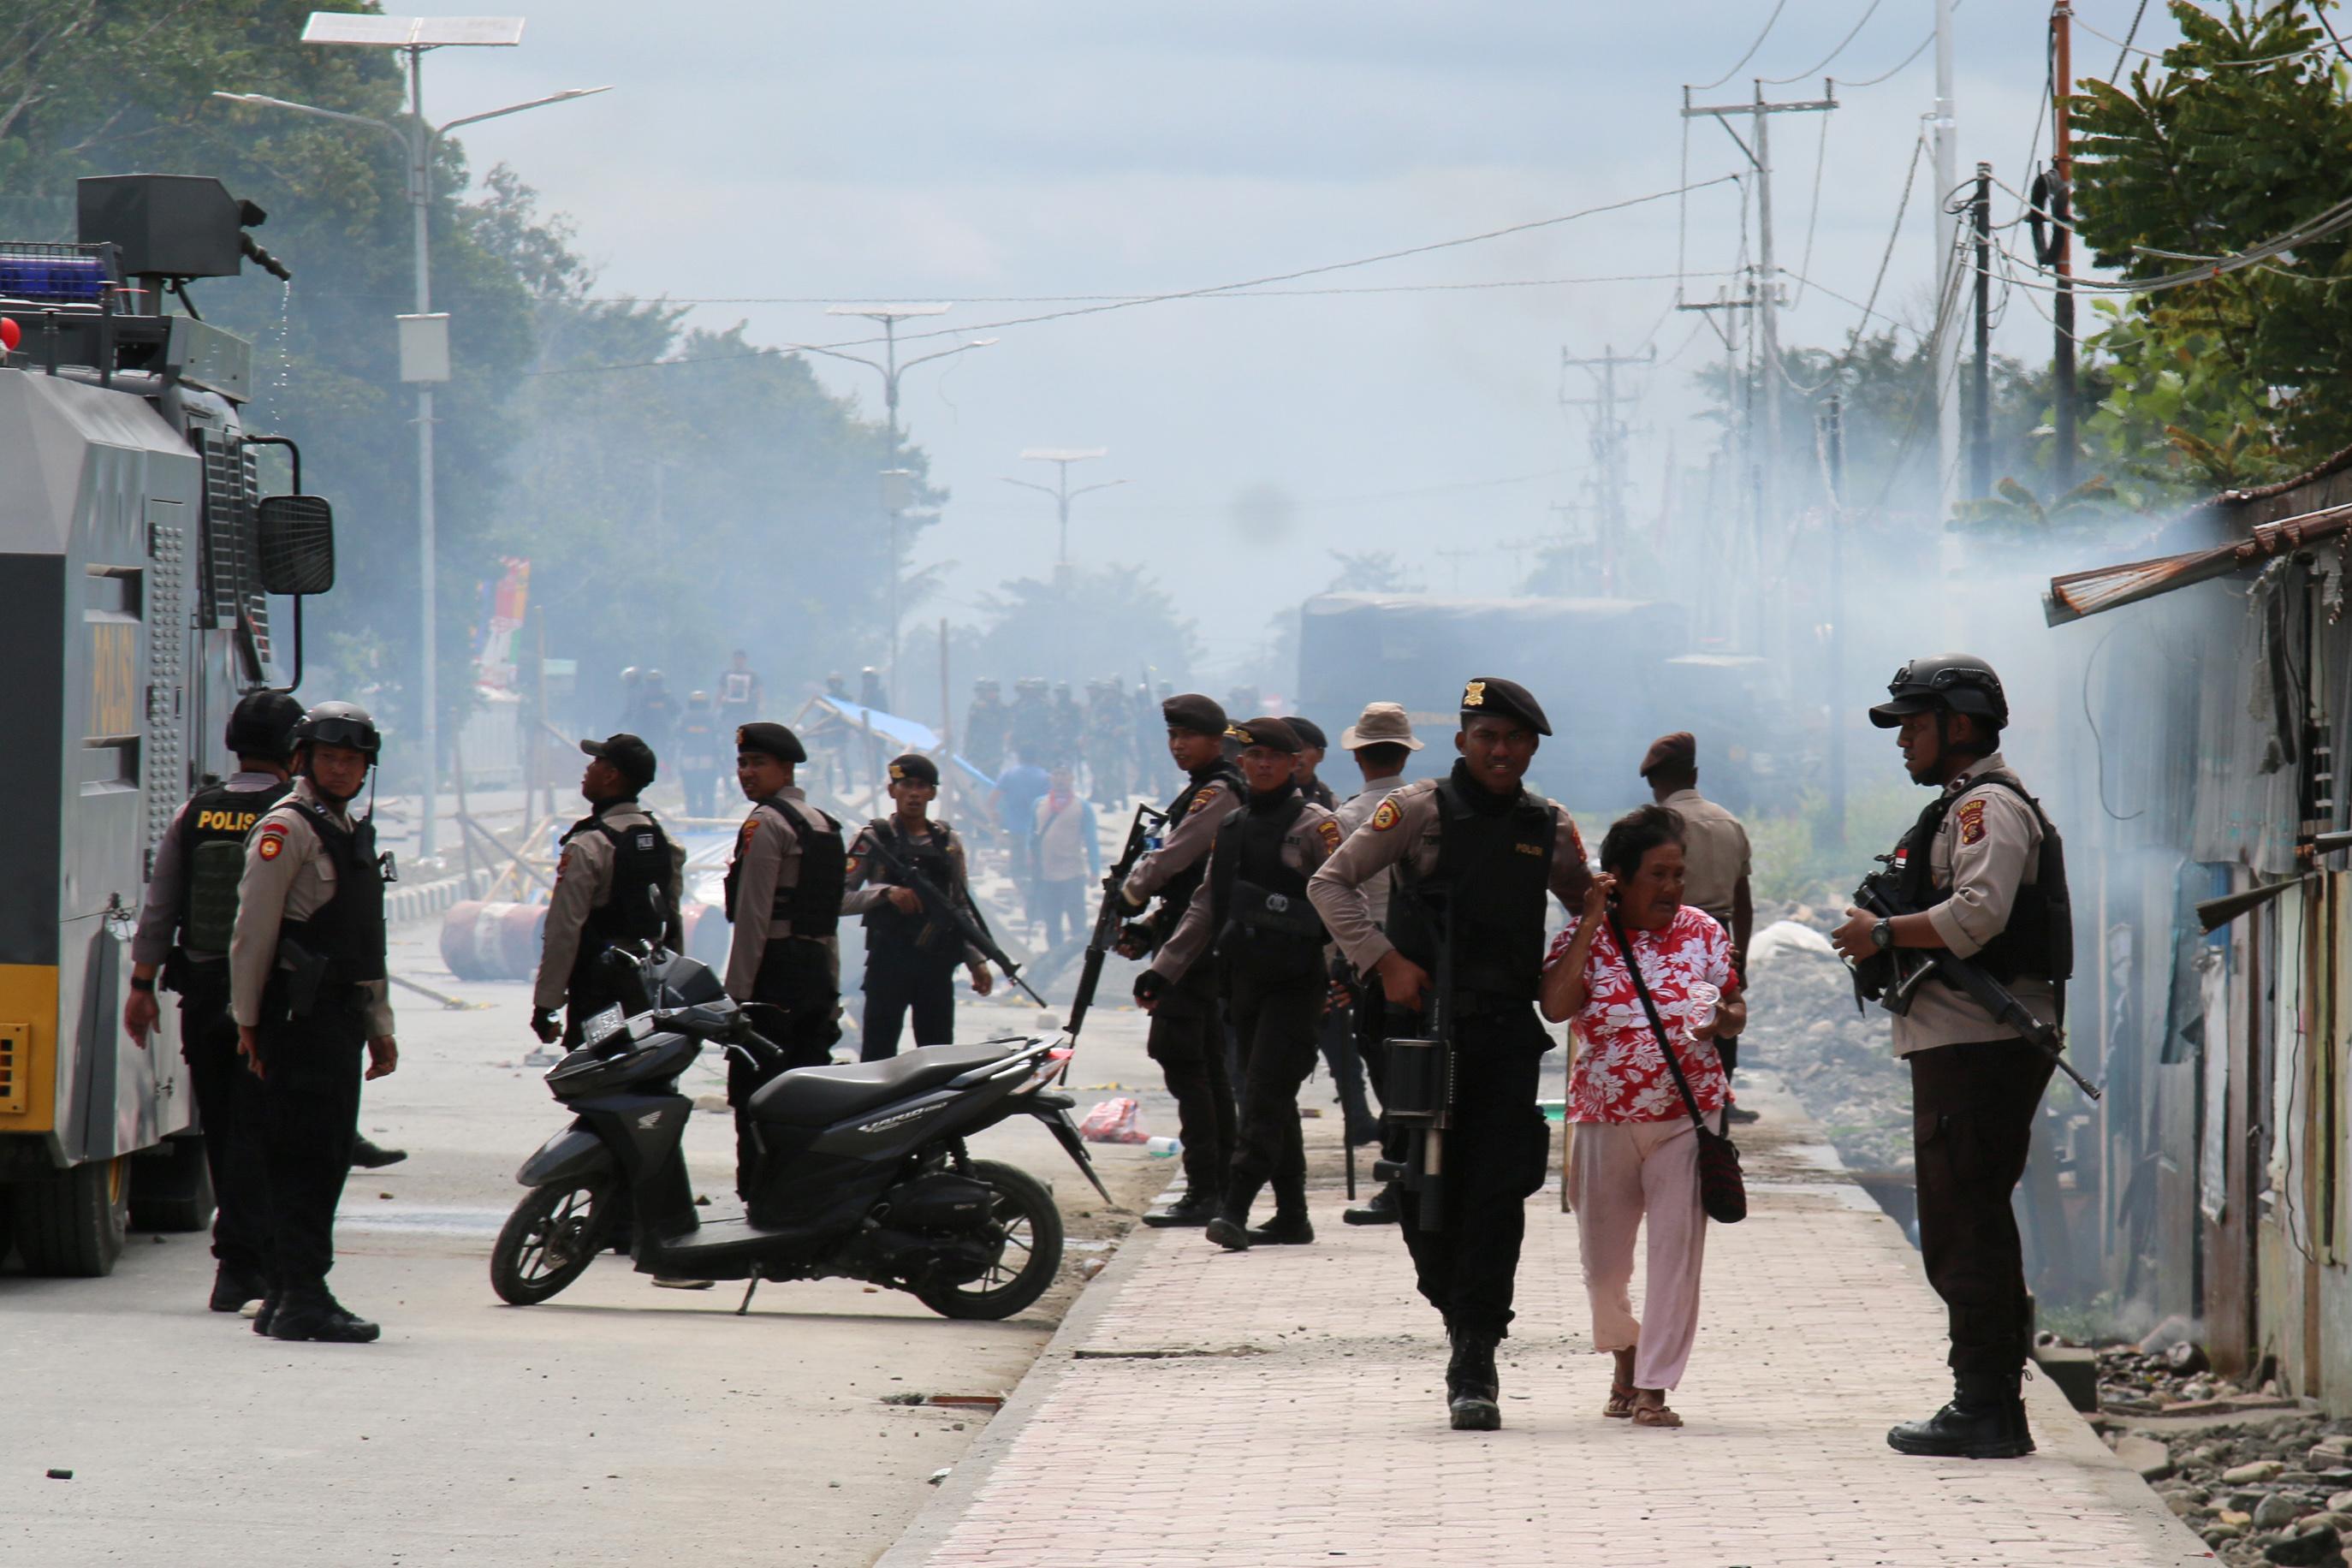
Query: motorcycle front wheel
[
  {"x": 1026, "y": 1229},
  {"x": 549, "y": 1240}
]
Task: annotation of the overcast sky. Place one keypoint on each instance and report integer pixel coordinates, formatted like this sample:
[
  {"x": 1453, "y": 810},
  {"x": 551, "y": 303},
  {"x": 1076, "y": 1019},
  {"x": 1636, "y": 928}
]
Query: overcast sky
[{"x": 782, "y": 156}]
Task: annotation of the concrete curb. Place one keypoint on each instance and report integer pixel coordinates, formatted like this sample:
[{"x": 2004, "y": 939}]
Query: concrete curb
[
  {"x": 408, "y": 902},
  {"x": 960, "y": 1490}
]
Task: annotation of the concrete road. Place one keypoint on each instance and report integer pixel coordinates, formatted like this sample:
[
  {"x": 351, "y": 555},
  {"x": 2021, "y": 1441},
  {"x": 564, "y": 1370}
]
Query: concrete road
[{"x": 617, "y": 1423}]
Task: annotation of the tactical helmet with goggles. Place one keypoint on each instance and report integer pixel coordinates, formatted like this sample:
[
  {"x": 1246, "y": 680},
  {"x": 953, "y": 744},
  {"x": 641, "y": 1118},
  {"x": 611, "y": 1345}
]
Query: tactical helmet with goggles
[
  {"x": 262, "y": 725},
  {"x": 1955, "y": 682},
  {"x": 340, "y": 724}
]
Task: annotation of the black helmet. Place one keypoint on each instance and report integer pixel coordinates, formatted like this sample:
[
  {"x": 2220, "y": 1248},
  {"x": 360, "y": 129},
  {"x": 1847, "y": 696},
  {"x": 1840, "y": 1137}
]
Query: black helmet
[
  {"x": 1960, "y": 682},
  {"x": 340, "y": 724},
  {"x": 262, "y": 725}
]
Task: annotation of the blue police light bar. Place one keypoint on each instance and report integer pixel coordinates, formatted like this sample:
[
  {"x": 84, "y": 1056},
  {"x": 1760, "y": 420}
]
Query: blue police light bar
[{"x": 53, "y": 274}]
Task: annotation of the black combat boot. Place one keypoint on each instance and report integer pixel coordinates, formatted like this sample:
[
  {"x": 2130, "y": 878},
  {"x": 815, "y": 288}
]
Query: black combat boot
[
  {"x": 368, "y": 1155},
  {"x": 314, "y": 1314},
  {"x": 1197, "y": 1208},
  {"x": 234, "y": 1287},
  {"x": 1473, "y": 1392},
  {"x": 1985, "y": 1420},
  {"x": 1290, "y": 1225},
  {"x": 1230, "y": 1230},
  {"x": 265, "y": 1318},
  {"x": 1381, "y": 1209}
]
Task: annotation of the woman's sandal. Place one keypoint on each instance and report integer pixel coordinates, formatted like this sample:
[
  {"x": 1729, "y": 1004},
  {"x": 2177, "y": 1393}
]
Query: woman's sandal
[
  {"x": 1621, "y": 1402},
  {"x": 1656, "y": 1416}
]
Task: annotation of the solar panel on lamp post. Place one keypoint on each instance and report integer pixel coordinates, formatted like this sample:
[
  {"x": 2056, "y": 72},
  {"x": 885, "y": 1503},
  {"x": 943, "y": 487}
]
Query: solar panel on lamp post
[{"x": 423, "y": 334}]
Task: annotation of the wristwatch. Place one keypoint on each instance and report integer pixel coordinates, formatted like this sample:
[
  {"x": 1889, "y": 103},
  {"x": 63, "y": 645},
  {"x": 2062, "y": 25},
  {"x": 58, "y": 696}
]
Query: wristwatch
[
  {"x": 1882, "y": 935},
  {"x": 139, "y": 985}
]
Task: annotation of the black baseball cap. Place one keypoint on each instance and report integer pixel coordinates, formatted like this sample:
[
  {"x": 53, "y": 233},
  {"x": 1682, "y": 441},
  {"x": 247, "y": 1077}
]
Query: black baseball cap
[{"x": 632, "y": 756}]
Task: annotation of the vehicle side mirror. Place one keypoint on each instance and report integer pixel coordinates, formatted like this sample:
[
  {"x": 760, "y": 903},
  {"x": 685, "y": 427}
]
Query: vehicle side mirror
[{"x": 298, "y": 544}]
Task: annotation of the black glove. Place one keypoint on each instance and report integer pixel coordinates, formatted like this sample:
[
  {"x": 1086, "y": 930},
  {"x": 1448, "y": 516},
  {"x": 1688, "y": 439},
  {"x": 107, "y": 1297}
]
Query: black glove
[
  {"x": 546, "y": 1026},
  {"x": 1150, "y": 985},
  {"x": 1136, "y": 937}
]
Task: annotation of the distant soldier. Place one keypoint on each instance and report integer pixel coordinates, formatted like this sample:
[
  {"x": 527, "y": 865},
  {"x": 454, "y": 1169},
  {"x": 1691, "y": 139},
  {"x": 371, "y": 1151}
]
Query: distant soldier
[
  {"x": 1069, "y": 724},
  {"x": 307, "y": 988},
  {"x": 1252, "y": 911},
  {"x": 657, "y": 711},
  {"x": 784, "y": 890},
  {"x": 184, "y": 936},
  {"x": 1107, "y": 742},
  {"x": 633, "y": 689},
  {"x": 986, "y": 728},
  {"x": 699, "y": 731},
  {"x": 1031, "y": 719},
  {"x": 1312, "y": 745},
  {"x": 619, "y": 879},
  {"x": 738, "y": 693},
  {"x": 1188, "y": 1037},
  {"x": 1382, "y": 741},
  {"x": 871, "y": 692},
  {"x": 1481, "y": 856},
  {"x": 910, "y": 954},
  {"x": 1715, "y": 860}
]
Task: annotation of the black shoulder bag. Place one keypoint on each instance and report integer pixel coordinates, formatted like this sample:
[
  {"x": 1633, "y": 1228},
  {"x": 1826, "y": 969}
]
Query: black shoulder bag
[{"x": 1722, "y": 1191}]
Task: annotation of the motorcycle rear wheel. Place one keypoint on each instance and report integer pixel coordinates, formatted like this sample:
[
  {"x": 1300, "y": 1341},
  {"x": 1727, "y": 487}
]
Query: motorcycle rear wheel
[
  {"x": 1029, "y": 1252},
  {"x": 555, "y": 1233}
]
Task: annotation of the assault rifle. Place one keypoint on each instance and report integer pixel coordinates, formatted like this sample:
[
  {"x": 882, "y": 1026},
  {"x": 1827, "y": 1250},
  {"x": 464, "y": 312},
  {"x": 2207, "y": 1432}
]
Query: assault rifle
[
  {"x": 945, "y": 910},
  {"x": 1417, "y": 1081},
  {"x": 1105, "y": 936},
  {"x": 1893, "y": 978}
]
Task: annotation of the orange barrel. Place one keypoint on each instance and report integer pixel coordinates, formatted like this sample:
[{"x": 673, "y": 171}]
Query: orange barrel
[
  {"x": 483, "y": 940},
  {"x": 462, "y": 940}
]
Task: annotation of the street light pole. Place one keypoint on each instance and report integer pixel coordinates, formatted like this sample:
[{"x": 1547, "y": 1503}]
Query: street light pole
[
  {"x": 417, "y": 139},
  {"x": 1062, "y": 458}
]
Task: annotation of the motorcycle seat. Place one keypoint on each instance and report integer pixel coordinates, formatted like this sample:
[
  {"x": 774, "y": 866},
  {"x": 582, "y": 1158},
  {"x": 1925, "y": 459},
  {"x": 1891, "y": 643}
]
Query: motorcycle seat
[{"x": 815, "y": 1096}]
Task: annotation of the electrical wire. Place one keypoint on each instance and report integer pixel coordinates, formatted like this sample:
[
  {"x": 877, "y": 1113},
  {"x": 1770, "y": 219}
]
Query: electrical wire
[
  {"x": 1901, "y": 63},
  {"x": 1821, "y": 155},
  {"x": 2129, "y": 33},
  {"x": 1750, "y": 54},
  {"x": 1869, "y": 11},
  {"x": 1090, "y": 299},
  {"x": 1203, "y": 292},
  {"x": 2157, "y": 54}
]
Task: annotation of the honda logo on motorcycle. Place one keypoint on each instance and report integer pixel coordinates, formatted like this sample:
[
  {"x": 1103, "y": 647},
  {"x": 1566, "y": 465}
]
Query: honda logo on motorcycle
[{"x": 650, "y": 1120}]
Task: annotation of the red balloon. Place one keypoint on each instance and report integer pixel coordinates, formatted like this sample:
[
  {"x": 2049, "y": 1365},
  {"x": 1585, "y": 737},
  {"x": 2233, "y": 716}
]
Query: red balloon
[{"x": 11, "y": 334}]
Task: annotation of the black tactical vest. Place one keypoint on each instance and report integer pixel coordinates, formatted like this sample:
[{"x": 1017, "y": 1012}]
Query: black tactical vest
[
  {"x": 1264, "y": 927},
  {"x": 1492, "y": 876},
  {"x": 641, "y": 863},
  {"x": 347, "y": 930},
  {"x": 812, "y": 904},
  {"x": 889, "y": 926},
  {"x": 1178, "y": 888},
  {"x": 2038, "y": 942},
  {"x": 213, "y": 830}
]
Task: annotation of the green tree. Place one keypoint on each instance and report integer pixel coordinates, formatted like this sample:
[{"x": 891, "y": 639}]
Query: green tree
[{"x": 1082, "y": 618}]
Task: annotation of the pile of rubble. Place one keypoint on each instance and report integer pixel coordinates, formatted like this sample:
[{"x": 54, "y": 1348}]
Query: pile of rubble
[
  {"x": 1837, "y": 1062},
  {"x": 2277, "y": 1493}
]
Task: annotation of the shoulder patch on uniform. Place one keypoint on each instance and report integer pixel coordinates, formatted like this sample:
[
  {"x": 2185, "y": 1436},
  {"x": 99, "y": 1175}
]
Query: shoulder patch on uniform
[
  {"x": 1973, "y": 821},
  {"x": 272, "y": 840},
  {"x": 1329, "y": 829},
  {"x": 1385, "y": 816},
  {"x": 1200, "y": 802}
]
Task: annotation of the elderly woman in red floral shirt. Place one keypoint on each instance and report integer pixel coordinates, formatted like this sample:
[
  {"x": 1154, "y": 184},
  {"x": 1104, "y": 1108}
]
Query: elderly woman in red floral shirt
[{"x": 1635, "y": 1151}]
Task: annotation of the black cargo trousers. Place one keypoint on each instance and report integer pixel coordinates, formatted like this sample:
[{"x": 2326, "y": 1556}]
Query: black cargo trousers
[
  {"x": 1187, "y": 1040},
  {"x": 1973, "y": 1110},
  {"x": 1276, "y": 1022},
  {"x": 230, "y": 1109},
  {"x": 1495, "y": 1156},
  {"x": 796, "y": 980},
  {"x": 310, "y": 1112}
]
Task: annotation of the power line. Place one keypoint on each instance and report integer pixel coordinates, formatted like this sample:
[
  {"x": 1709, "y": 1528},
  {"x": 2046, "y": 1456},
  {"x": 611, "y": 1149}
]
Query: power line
[
  {"x": 1137, "y": 299},
  {"x": 1201, "y": 292},
  {"x": 1750, "y": 54},
  {"x": 2157, "y": 54},
  {"x": 2129, "y": 33},
  {"x": 1869, "y": 11},
  {"x": 1812, "y": 215}
]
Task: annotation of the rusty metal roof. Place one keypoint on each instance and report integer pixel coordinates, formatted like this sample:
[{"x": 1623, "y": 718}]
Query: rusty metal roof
[{"x": 2081, "y": 594}]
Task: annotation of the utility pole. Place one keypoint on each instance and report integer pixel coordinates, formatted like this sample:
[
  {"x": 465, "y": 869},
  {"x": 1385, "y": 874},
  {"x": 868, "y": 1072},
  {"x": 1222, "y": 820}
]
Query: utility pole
[
  {"x": 1980, "y": 384},
  {"x": 1948, "y": 341},
  {"x": 1608, "y": 442},
  {"x": 1062, "y": 458},
  {"x": 2061, "y": 207},
  {"x": 1833, "y": 438},
  {"x": 1739, "y": 438}
]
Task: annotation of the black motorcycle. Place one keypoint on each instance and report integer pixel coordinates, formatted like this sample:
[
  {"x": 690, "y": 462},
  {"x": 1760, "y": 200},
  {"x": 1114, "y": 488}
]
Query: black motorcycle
[{"x": 858, "y": 1171}]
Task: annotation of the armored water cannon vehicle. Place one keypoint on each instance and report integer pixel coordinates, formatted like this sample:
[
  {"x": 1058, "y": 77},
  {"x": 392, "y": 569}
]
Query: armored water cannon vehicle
[{"x": 137, "y": 559}]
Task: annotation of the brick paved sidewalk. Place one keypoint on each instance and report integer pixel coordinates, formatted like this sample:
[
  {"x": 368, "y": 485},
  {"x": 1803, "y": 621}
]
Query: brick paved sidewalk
[{"x": 1284, "y": 1406}]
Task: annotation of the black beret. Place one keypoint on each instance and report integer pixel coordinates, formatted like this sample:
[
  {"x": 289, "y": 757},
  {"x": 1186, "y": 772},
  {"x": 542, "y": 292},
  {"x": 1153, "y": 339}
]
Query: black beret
[
  {"x": 1492, "y": 697},
  {"x": 770, "y": 739},
  {"x": 1191, "y": 710},
  {"x": 917, "y": 766},
  {"x": 1310, "y": 734},
  {"x": 632, "y": 756},
  {"x": 1274, "y": 734}
]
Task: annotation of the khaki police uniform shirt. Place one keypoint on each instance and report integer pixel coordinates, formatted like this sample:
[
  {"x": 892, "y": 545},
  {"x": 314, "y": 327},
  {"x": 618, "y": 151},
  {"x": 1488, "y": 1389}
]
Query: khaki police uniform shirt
[
  {"x": 1185, "y": 843},
  {"x": 1989, "y": 847},
  {"x": 1356, "y": 811},
  {"x": 769, "y": 850},
  {"x": 288, "y": 876},
  {"x": 159, "y": 917},
  {"x": 1305, "y": 845},
  {"x": 583, "y": 882},
  {"x": 1403, "y": 830},
  {"x": 1714, "y": 853},
  {"x": 869, "y": 880}
]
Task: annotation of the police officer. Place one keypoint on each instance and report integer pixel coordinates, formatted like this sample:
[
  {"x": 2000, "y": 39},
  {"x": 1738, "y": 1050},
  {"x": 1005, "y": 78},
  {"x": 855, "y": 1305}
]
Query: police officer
[
  {"x": 183, "y": 936},
  {"x": 1252, "y": 911},
  {"x": 1187, "y": 1037},
  {"x": 306, "y": 990},
  {"x": 1981, "y": 870},
  {"x": 698, "y": 730},
  {"x": 1029, "y": 721},
  {"x": 613, "y": 861},
  {"x": 784, "y": 889},
  {"x": 1477, "y": 852},
  {"x": 910, "y": 955},
  {"x": 1716, "y": 859},
  {"x": 738, "y": 692},
  {"x": 1313, "y": 744},
  {"x": 1382, "y": 741}
]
